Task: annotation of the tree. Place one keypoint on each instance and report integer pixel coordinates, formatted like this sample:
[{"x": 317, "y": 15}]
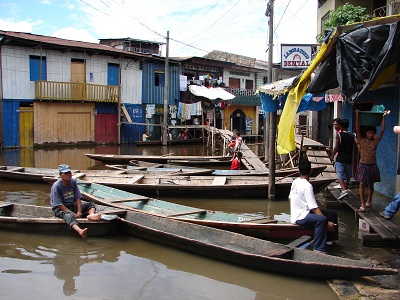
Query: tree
[{"x": 343, "y": 15}]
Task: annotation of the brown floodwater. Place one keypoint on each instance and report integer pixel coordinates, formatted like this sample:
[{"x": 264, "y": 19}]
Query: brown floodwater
[{"x": 125, "y": 267}]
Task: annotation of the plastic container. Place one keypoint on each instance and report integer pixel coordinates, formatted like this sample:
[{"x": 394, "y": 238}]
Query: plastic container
[
  {"x": 378, "y": 108},
  {"x": 370, "y": 118}
]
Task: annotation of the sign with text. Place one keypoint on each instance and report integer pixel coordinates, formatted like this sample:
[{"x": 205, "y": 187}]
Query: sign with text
[
  {"x": 296, "y": 56},
  {"x": 333, "y": 98}
]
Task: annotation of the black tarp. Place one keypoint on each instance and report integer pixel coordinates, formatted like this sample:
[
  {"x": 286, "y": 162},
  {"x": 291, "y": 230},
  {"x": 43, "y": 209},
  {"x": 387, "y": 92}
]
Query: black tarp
[{"x": 357, "y": 60}]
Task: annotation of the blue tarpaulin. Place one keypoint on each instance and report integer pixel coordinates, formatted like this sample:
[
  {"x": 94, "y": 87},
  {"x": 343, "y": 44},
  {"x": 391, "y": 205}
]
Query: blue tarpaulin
[{"x": 308, "y": 102}]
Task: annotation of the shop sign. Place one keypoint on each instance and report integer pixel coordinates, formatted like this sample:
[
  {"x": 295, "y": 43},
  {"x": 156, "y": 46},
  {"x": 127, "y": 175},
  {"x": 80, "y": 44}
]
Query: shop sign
[
  {"x": 296, "y": 56},
  {"x": 333, "y": 98}
]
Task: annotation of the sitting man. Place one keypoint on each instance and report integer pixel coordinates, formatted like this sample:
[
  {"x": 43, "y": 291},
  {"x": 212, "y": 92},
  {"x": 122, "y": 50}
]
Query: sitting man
[
  {"x": 65, "y": 200},
  {"x": 304, "y": 210},
  {"x": 145, "y": 137}
]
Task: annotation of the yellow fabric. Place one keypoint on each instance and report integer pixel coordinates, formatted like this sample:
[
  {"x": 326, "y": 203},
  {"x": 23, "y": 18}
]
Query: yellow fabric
[
  {"x": 285, "y": 140},
  {"x": 384, "y": 76}
]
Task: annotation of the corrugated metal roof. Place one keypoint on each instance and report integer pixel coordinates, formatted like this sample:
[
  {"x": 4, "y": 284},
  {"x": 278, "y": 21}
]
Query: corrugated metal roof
[{"x": 26, "y": 39}]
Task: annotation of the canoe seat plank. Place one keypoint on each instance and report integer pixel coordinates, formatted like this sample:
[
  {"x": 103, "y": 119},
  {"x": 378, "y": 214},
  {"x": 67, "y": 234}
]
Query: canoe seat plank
[
  {"x": 118, "y": 200},
  {"x": 78, "y": 175},
  {"x": 281, "y": 252},
  {"x": 300, "y": 241},
  {"x": 3, "y": 205},
  {"x": 84, "y": 183},
  {"x": 219, "y": 180},
  {"x": 114, "y": 212},
  {"x": 17, "y": 169},
  {"x": 191, "y": 212},
  {"x": 135, "y": 179}
]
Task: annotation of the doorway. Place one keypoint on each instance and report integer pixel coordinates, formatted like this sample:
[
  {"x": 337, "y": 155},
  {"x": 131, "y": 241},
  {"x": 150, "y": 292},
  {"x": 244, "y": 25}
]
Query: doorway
[
  {"x": 26, "y": 125},
  {"x": 78, "y": 79},
  {"x": 238, "y": 121}
]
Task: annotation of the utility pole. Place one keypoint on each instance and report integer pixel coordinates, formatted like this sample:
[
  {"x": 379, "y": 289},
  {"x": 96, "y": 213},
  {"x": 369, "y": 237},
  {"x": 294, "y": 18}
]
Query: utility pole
[
  {"x": 266, "y": 115},
  {"x": 166, "y": 92},
  {"x": 272, "y": 115}
]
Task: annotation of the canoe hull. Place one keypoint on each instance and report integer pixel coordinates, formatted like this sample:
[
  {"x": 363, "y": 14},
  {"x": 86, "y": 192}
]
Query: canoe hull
[
  {"x": 40, "y": 220},
  {"x": 125, "y": 159},
  {"x": 252, "y": 225},
  {"x": 173, "y": 142},
  {"x": 273, "y": 231},
  {"x": 244, "y": 250},
  {"x": 258, "y": 189}
]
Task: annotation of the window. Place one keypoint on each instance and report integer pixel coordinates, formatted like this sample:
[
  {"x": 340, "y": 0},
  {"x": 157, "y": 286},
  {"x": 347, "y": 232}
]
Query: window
[
  {"x": 265, "y": 79},
  {"x": 37, "y": 67},
  {"x": 159, "y": 79}
]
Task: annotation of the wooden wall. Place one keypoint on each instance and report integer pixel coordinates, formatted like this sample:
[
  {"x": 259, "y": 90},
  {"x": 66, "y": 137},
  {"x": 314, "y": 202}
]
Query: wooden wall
[
  {"x": 17, "y": 85},
  {"x": 63, "y": 122},
  {"x": 249, "y": 111}
]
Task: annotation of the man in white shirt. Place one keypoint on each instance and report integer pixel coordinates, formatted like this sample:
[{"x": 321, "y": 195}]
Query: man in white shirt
[{"x": 304, "y": 210}]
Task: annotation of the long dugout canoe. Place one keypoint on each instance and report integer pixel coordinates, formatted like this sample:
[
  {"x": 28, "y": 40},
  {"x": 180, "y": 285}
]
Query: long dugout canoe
[
  {"x": 244, "y": 250},
  {"x": 256, "y": 224},
  {"x": 235, "y": 187}
]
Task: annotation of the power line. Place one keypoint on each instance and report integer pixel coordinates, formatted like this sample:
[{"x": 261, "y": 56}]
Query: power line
[{"x": 194, "y": 22}]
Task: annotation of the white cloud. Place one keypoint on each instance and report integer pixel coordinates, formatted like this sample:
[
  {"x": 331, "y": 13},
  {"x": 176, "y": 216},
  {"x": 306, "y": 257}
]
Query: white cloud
[
  {"x": 71, "y": 33},
  {"x": 231, "y": 26},
  {"x": 19, "y": 26},
  {"x": 234, "y": 26}
]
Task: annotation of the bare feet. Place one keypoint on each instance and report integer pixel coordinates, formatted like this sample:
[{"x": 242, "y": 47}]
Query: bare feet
[
  {"x": 83, "y": 233},
  {"x": 94, "y": 217}
]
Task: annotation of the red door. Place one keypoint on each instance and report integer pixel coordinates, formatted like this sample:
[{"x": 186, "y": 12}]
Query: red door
[{"x": 106, "y": 128}]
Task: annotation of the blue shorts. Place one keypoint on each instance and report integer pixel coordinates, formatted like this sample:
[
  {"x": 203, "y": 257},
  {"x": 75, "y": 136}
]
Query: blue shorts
[{"x": 343, "y": 171}]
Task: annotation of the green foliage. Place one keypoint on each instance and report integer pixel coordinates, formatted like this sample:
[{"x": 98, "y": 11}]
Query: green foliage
[{"x": 344, "y": 15}]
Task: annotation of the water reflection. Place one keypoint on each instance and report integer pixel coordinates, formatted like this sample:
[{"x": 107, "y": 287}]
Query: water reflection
[
  {"x": 124, "y": 267},
  {"x": 75, "y": 156},
  {"x": 69, "y": 257}
]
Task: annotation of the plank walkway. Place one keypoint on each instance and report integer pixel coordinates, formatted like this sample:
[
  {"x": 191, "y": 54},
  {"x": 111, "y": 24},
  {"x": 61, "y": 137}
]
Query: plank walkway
[
  {"x": 385, "y": 233},
  {"x": 317, "y": 155},
  {"x": 249, "y": 160}
]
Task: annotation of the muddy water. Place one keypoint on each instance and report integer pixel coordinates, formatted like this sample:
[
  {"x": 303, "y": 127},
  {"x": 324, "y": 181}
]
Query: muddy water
[{"x": 124, "y": 267}]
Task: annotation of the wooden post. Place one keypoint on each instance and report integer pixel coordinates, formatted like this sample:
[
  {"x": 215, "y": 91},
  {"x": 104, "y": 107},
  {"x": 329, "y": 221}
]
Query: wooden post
[
  {"x": 272, "y": 115},
  {"x": 166, "y": 92}
]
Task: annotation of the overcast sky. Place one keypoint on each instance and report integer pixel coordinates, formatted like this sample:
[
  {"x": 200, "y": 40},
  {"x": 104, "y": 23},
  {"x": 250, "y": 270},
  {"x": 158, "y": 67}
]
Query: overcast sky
[{"x": 195, "y": 27}]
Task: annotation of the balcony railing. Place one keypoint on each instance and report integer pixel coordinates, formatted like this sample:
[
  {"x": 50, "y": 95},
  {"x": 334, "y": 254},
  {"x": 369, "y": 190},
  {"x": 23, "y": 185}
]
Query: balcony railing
[
  {"x": 241, "y": 92},
  {"x": 392, "y": 9},
  {"x": 71, "y": 91}
]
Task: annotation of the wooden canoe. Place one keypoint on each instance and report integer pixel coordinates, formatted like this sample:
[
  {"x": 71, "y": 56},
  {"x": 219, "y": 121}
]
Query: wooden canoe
[
  {"x": 244, "y": 250},
  {"x": 200, "y": 162},
  {"x": 189, "y": 170},
  {"x": 173, "y": 142},
  {"x": 124, "y": 159},
  {"x": 200, "y": 186},
  {"x": 26, "y": 174},
  {"x": 37, "y": 174},
  {"x": 40, "y": 219},
  {"x": 255, "y": 225},
  {"x": 289, "y": 172},
  {"x": 161, "y": 169}
]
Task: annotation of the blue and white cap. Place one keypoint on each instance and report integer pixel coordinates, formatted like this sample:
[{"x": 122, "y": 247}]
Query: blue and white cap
[{"x": 64, "y": 168}]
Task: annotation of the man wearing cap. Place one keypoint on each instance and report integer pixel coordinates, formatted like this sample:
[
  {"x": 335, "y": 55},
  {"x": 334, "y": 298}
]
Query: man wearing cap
[{"x": 65, "y": 200}]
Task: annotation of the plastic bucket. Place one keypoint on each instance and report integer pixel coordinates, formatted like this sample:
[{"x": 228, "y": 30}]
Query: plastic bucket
[{"x": 370, "y": 118}]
